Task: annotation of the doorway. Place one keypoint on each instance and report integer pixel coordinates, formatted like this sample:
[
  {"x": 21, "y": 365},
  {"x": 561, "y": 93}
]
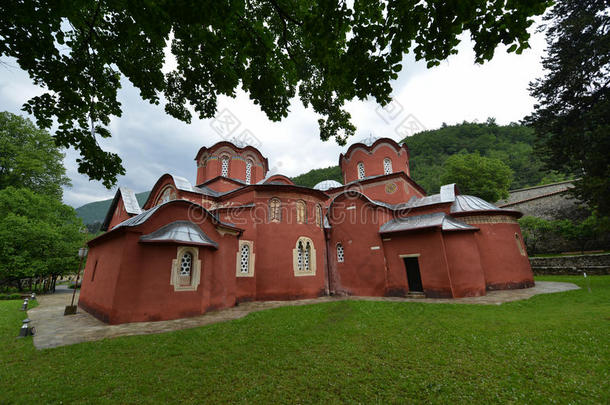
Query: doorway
[{"x": 413, "y": 274}]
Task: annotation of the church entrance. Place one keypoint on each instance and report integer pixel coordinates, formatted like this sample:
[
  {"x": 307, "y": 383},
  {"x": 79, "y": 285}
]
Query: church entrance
[{"x": 413, "y": 274}]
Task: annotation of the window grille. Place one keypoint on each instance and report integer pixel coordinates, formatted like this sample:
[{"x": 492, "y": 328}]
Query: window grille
[
  {"x": 225, "y": 166},
  {"x": 186, "y": 264},
  {"x": 248, "y": 172},
  {"x": 300, "y": 256},
  {"x": 360, "y": 171},
  {"x": 387, "y": 166},
  {"x": 340, "y": 253},
  {"x": 245, "y": 258}
]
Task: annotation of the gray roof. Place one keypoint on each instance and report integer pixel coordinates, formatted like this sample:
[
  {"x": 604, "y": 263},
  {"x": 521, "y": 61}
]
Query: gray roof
[
  {"x": 327, "y": 184},
  {"x": 145, "y": 215},
  {"x": 183, "y": 232},
  {"x": 130, "y": 201},
  {"x": 436, "y": 220},
  {"x": 182, "y": 183},
  {"x": 466, "y": 203}
]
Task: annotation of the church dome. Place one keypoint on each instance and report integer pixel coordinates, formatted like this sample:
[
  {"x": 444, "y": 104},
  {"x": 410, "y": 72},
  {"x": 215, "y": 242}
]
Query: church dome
[{"x": 326, "y": 185}]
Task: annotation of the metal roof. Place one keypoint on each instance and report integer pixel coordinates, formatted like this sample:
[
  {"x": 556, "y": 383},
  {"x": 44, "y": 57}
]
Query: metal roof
[
  {"x": 436, "y": 220},
  {"x": 182, "y": 183},
  {"x": 327, "y": 184},
  {"x": 466, "y": 203},
  {"x": 183, "y": 232},
  {"x": 145, "y": 215},
  {"x": 130, "y": 201}
]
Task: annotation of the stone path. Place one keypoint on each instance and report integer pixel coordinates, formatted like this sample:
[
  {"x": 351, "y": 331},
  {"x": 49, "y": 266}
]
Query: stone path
[{"x": 53, "y": 329}]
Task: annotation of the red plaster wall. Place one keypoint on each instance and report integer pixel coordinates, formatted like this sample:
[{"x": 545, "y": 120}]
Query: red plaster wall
[
  {"x": 502, "y": 262},
  {"x": 274, "y": 273},
  {"x": 222, "y": 186},
  {"x": 465, "y": 270},
  {"x": 138, "y": 280},
  {"x": 373, "y": 161},
  {"x": 119, "y": 215},
  {"x": 363, "y": 271},
  {"x": 378, "y": 190},
  {"x": 97, "y": 294},
  {"x": 237, "y": 167},
  {"x": 433, "y": 263}
]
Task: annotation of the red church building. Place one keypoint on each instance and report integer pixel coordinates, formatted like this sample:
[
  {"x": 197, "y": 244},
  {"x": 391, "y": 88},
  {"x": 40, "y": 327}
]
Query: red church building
[{"x": 242, "y": 234}]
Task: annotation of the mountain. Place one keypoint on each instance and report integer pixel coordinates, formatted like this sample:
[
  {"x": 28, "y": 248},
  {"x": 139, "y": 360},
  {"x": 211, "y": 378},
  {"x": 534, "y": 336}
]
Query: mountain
[
  {"x": 513, "y": 144},
  {"x": 95, "y": 212},
  {"x": 313, "y": 177}
]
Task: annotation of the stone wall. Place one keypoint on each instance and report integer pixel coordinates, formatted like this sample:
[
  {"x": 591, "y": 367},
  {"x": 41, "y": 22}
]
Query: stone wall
[
  {"x": 594, "y": 264},
  {"x": 551, "y": 201}
]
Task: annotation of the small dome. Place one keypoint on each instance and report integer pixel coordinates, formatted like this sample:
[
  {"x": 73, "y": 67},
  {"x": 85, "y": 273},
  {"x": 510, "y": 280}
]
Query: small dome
[
  {"x": 327, "y": 184},
  {"x": 369, "y": 140}
]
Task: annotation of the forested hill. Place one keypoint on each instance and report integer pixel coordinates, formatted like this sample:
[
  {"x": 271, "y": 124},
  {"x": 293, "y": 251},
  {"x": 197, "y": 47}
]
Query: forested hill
[
  {"x": 96, "y": 211},
  {"x": 513, "y": 144}
]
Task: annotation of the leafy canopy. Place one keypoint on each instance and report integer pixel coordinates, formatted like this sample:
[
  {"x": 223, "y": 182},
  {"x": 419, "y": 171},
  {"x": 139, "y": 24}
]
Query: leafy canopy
[
  {"x": 326, "y": 52},
  {"x": 484, "y": 177},
  {"x": 572, "y": 117},
  {"x": 513, "y": 144},
  {"x": 29, "y": 157},
  {"x": 39, "y": 236}
]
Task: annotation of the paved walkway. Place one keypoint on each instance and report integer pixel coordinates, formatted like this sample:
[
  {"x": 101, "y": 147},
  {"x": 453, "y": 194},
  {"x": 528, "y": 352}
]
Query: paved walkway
[{"x": 53, "y": 329}]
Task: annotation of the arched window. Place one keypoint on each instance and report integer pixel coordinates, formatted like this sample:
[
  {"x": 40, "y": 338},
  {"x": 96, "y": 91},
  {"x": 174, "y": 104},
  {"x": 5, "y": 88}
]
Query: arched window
[
  {"x": 319, "y": 215},
  {"x": 360, "y": 171},
  {"x": 225, "y": 166},
  {"x": 387, "y": 166},
  {"x": 340, "y": 253},
  {"x": 245, "y": 258},
  {"x": 275, "y": 210},
  {"x": 301, "y": 212},
  {"x": 304, "y": 257},
  {"x": 186, "y": 269},
  {"x": 248, "y": 171},
  {"x": 186, "y": 264}
]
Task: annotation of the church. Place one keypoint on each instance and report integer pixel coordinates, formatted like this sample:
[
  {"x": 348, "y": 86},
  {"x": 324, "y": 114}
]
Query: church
[{"x": 242, "y": 234}]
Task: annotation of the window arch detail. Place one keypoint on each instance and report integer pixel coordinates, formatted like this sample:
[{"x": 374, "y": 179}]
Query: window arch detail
[
  {"x": 387, "y": 166},
  {"x": 275, "y": 210},
  {"x": 166, "y": 195},
  {"x": 319, "y": 215},
  {"x": 186, "y": 269},
  {"x": 340, "y": 253},
  {"x": 361, "y": 172},
  {"x": 301, "y": 212},
  {"x": 304, "y": 257},
  {"x": 245, "y": 259}
]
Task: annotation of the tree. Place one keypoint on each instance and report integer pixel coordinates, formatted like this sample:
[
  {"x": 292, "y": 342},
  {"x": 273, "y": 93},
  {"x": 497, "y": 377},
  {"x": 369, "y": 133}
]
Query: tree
[
  {"x": 39, "y": 236},
  {"x": 29, "y": 157},
  {"x": 330, "y": 52},
  {"x": 534, "y": 229},
  {"x": 572, "y": 117},
  {"x": 583, "y": 232},
  {"x": 483, "y": 177}
]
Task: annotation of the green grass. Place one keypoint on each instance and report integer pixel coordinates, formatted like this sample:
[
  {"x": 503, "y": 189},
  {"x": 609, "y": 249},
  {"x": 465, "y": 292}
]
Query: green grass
[{"x": 549, "y": 349}]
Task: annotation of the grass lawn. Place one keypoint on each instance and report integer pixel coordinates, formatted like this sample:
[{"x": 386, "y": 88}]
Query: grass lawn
[{"x": 552, "y": 348}]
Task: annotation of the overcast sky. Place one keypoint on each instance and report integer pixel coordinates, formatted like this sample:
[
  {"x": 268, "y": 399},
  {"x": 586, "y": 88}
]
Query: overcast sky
[{"x": 152, "y": 143}]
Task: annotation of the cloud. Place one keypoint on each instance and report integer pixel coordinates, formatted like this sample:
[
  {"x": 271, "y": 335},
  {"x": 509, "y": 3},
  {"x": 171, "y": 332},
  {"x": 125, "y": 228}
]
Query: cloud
[{"x": 152, "y": 143}]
